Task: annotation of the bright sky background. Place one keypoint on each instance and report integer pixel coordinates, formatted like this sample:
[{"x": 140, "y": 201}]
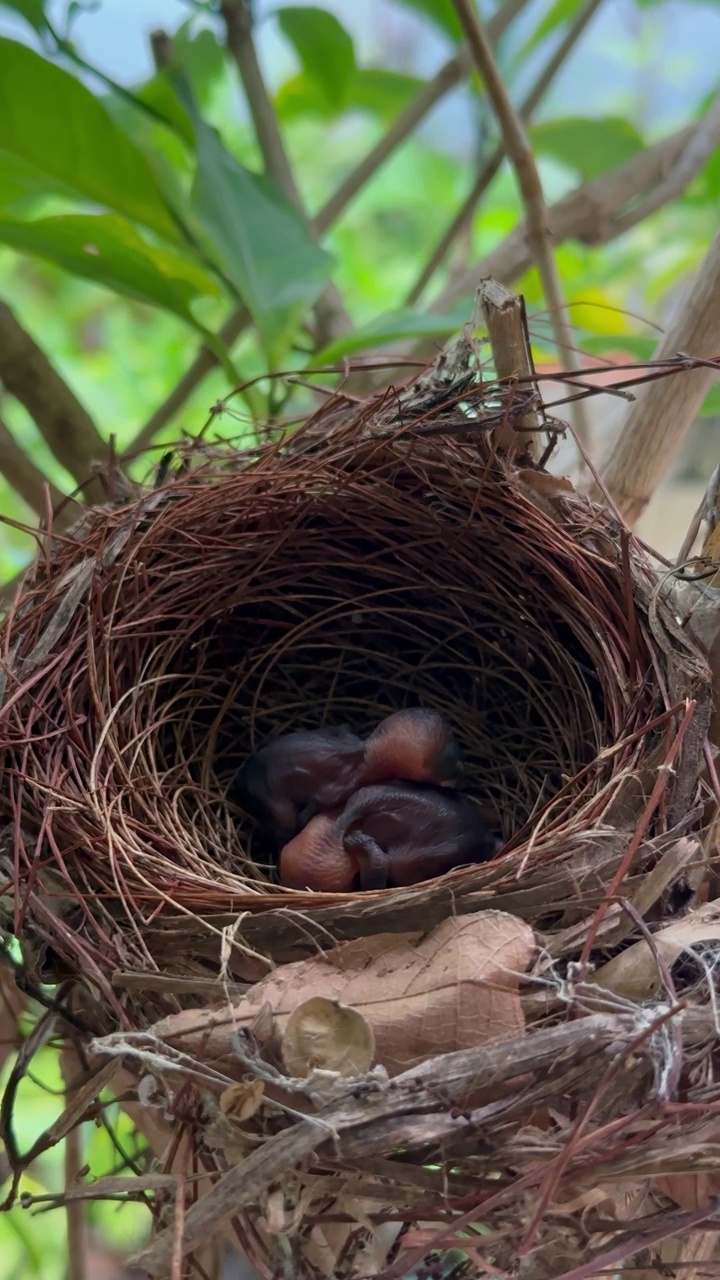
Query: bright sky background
[{"x": 615, "y": 68}]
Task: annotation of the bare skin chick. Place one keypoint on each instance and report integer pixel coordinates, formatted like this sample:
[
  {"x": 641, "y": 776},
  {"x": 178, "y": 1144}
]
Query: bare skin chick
[
  {"x": 400, "y": 834},
  {"x": 416, "y": 744},
  {"x": 291, "y": 779},
  {"x": 395, "y": 834},
  {"x": 316, "y": 858},
  {"x": 299, "y": 773}
]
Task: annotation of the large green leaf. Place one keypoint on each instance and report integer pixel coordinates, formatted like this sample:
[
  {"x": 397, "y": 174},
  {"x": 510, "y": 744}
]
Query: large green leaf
[
  {"x": 441, "y": 12},
  {"x": 325, "y": 50},
  {"x": 587, "y": 145},
  {"x": 53, "y": 124},
  {"x": 109, "y": 251},
  {"x": 394, "y": 326},
  {"x": 371, "y": 89},
  {"x": 202, "y": 56},
  {"x": 33, "y": 11},
  {"x": 257, "y": 239}
]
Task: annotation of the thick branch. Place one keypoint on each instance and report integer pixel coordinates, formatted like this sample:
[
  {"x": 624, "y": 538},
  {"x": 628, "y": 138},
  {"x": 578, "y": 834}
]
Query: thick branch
[
  {"x": 520, "y": 154},
  {"x": 663, "y": 412},
  {"x": 30, "y": 482},
  {"x": 62, "y": 421},
  {"x": 333, "y": 320},
  {"x": 463, "y": 217}
]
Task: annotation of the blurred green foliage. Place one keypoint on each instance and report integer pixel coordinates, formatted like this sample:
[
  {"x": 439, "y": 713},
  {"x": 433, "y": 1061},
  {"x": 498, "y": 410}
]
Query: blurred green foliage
[{"x": 133, "y": 218}]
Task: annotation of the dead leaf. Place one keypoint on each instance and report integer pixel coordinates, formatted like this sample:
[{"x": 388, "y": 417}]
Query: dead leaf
[
  {"x": 634, "y": 973},
  {"x": 326, "y": 1034},
  {"x": 455, "y": 988},
  {"x": 241, "y": 1101}
]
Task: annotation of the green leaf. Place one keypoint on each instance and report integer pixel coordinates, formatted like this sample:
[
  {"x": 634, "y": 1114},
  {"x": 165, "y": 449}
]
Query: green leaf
[
  {"x": 159, "y": 94},
  {"x": 634, "y": 345},
  {"x": 54, "y": 125},
  {"x": 394, "y": 326},
  {"x": 383, "y": 93},
  {"x": 33, "y": 11},
  {"x": 325, "y": 50},
  {"x": 371, "y": 90},
  {"x": 441, "y": 12},
  {"x": 258, "y": 240},
  {"x": 108, "y": 250},
  {"x": 590, "y": 146},
  {"x": 711, "y": 403},
  {"x": 202, "y": 57},
  {"x": 558, "y": 13}
]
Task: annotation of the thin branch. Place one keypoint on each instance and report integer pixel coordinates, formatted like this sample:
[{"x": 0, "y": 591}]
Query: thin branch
[
  {"x": 333, "y": 320},
  {"x": 30, "y": 483},
  {"x": 74, "y": 1210},
  {"x": 521, "y": 157},
  {"x": 65, "y": 425},
  {"x": 590, "y": 214},
  {"x": 528, "y": 106},
  {"x": 506, "y": 322},
  {"x": 689, "y": 163},
  {"x": 449, "y": 75},
  {"x": 661, "y": 416}
]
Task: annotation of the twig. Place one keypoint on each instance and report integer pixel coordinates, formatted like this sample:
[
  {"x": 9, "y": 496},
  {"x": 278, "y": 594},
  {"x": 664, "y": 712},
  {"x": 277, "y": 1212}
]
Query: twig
[
  {"x": 489, "y": 170},
  {"x": 520, "y": 154},
  {"x": 74, "y": 1209},
  {"x": 65, "y": 425},
  {"x": 29, "y": 481},
  {"x": 449, "y": 75},
  {"x": 590, "y": 214},
  {"x": 333, "y": 320},
  {"x": 504, "y": 314},
  {"x": 661, "y": 416}
]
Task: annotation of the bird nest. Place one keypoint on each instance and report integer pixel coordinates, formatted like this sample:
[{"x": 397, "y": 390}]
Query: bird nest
[{"x": 385, "y": 556}]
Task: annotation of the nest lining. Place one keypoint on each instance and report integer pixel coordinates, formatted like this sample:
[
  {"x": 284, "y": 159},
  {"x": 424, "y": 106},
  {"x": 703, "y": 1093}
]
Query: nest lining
[{"x": 326, "y": 583}]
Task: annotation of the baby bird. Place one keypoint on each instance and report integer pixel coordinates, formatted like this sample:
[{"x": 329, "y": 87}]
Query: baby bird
[
  {"x": 415, "y": 744},
  {"x": 292, "y": 778},
  {"x": 396, "y": 834},
  {"x": 400, "y": 834},
  {"x": 299, "y": 773},
  {"x": 316, "y": 859}
]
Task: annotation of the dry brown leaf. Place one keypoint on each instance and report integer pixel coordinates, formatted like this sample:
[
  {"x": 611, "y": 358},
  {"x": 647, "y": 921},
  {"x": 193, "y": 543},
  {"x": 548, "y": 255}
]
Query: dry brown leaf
[
  {"x": 455, "y": 988},
  {"x": 241, "y": 1101},
  {"x": 326, "y": 1034},
  {"x": 634, "y": 973}
]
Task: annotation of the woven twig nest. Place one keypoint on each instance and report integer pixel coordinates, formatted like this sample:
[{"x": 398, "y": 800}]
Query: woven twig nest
[{"x": 384, "y": 557}]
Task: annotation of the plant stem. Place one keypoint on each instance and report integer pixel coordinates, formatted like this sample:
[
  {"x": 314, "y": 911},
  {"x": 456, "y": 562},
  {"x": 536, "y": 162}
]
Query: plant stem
[
  {"x": 463, "y": 217},
  {"x": 521, "y": 157}
]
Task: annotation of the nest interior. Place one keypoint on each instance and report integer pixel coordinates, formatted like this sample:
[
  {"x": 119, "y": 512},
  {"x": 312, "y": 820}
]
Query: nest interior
[{"x": 324, "y": 582}]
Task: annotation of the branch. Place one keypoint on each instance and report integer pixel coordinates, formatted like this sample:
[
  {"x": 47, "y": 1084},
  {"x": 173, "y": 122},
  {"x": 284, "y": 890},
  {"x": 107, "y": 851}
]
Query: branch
[
  {"x": 590, "y": 214},
  {"x": 64, "y": 424},
  {"x": 521, "y": 157},
  {"x": 689, "y": 163},
  {"x": 507, "y": 330},
  {"x": 449, "y": 75},
  {"x": 333, "y": 320},
  {"x": 31, "y": 484},
  {"x": 662, "y": 415},
  {"x": 489, "y": 170}
]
